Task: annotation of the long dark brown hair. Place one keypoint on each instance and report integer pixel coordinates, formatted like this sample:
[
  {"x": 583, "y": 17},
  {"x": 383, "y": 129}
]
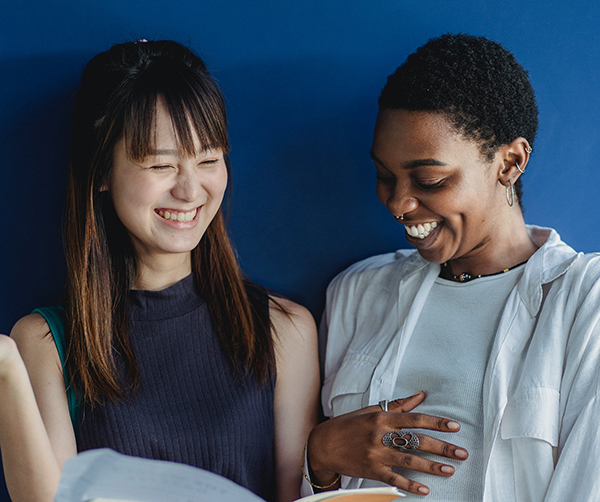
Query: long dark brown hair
[{"x": 117, "y": 99}]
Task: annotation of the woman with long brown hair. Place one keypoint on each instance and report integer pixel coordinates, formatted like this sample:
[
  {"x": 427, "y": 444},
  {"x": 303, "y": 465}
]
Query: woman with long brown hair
[{"x": 163, "y": 349}]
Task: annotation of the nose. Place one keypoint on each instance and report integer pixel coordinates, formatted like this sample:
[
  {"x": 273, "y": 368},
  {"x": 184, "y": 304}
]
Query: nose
[
  {"x": 398, "y": 199},
  {"x": 188, "y": 185}
]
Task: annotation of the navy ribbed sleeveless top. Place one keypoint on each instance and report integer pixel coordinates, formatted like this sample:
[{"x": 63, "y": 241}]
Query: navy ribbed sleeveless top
[{"x": 191, "y": 407}]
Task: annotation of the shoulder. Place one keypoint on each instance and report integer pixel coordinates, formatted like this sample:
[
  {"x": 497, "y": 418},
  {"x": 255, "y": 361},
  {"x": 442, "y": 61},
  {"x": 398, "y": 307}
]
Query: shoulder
[
  {"x": 29, "y": 329},
  {"x": 291, "y": 320},
  {"x": 377, "y": 273},
  {"x": 32, "y": 335},
  {"x": 586, "y": 266},
  {"x": 582, "y": 277},
  {"x": 373, "y": 264},
  {"x": 571, "y": 309},
  {"x": 564, "y": 274}
]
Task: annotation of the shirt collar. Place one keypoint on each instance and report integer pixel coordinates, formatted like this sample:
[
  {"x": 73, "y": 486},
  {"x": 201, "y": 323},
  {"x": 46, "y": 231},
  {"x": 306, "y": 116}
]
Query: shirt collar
[
  {"x": 552, "y": 259},
  {"x": 548, "y": 263}
]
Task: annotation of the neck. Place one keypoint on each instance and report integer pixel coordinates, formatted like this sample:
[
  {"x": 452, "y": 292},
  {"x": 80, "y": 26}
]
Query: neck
[
  {"x": 508, "y": 246},
  {"x": 160, "y": 272}
]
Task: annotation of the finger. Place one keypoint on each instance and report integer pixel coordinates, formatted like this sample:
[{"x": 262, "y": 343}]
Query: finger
[
  {"x": 441, "y": 448},
  {"x": 406, "y": 404},
  {"x": 416, "y": 463},
  {"x": 408, "y": 485},
  {"x": 397, "y": 405},
  {"x": 422, "y": 421}
]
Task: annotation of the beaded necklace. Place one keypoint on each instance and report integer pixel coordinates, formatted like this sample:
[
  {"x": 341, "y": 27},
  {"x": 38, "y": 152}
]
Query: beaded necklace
[{"x": 446, "y": 273}]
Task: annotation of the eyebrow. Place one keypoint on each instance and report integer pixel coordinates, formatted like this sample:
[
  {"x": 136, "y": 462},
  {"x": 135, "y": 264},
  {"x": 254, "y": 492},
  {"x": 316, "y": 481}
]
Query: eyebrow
[{"x": 414, "y": 163}]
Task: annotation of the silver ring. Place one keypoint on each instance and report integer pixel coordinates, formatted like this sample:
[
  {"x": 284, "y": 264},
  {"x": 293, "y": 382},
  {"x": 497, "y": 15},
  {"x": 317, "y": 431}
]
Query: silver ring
[
  {"x": 383, "y": 404},
  {"x": 398, "y": 440}
]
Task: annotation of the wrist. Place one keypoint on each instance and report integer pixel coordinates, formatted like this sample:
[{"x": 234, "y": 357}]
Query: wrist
[{"x": 320, "y": 475}]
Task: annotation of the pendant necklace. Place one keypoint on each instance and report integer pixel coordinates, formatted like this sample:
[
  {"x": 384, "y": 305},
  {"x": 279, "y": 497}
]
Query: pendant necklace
[{"x": 446, "y": 273}]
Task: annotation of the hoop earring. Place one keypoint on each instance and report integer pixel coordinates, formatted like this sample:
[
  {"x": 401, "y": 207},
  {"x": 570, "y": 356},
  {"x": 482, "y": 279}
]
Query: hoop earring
[
  {"x": 529, "y": 149},
  {"x": 399, "y": 218},
  {"x": 522, "y": 171},
  {"x": 511, "y": 199}
]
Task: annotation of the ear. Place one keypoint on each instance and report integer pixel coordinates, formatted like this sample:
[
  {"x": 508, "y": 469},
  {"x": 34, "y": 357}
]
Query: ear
[{"x": 515, "y": 157}]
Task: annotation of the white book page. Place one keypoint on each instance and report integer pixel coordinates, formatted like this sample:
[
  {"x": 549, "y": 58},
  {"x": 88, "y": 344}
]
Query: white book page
[{"x": 105, "y": 474}]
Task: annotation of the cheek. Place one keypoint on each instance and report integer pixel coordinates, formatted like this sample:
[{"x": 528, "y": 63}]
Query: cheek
[
  {"x": 217, "y": 184},
  {"x": 131, "y": 196}
]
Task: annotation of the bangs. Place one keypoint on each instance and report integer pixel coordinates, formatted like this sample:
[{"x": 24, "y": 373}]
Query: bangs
[{"x": 194, "y": 103}]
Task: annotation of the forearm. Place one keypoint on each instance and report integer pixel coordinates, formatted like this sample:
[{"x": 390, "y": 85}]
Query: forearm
[{"x": 30, "y": 466}]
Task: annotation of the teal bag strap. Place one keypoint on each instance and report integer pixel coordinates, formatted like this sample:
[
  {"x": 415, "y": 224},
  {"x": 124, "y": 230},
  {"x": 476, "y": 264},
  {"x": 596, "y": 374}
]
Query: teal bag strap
[{"x": 55, "y": 317}]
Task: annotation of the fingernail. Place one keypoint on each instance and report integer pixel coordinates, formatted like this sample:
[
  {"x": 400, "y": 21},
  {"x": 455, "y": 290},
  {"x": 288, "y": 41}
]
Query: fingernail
[
  {"x": 417, "y": 394},
  {"x": 423, "y": 489},
  {"x": 461, "y": 453},
  {"x": 447, "y": 469},
  {"x": 453, "y": 426}
]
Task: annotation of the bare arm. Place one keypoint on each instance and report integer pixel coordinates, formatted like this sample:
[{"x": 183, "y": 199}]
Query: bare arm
[
  {"x": 36, "y": 435},
  {"x": 296, "y": 393}
]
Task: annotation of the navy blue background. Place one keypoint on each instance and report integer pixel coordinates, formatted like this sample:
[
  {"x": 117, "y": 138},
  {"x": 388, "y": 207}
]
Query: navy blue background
[{"x": 301, "y": 81}]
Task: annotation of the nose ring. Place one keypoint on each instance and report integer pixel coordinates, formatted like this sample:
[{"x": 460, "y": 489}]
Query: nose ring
[{"x": 399, "y": 218}]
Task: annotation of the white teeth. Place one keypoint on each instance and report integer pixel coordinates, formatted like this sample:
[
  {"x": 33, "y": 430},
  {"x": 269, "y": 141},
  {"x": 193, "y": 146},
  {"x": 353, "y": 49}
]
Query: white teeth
[
  {"x": 180, "y": 216},
  {"x": 422, "y": 230}
]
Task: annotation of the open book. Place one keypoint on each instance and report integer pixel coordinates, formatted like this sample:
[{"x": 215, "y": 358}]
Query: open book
[{"x": 106, "y": 476}]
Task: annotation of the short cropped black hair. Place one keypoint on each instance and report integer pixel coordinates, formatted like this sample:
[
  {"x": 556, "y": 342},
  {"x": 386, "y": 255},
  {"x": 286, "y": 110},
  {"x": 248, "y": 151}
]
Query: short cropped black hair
[{"x": 475, "y": 82}]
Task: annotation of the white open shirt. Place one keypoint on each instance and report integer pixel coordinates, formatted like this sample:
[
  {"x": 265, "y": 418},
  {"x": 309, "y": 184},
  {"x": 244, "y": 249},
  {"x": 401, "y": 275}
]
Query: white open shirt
[{"x": 541, "y": 385}]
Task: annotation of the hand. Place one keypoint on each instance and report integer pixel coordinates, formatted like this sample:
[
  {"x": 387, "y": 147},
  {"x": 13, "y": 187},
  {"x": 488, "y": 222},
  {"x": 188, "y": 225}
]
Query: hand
[{"x": 351, "y": 444}]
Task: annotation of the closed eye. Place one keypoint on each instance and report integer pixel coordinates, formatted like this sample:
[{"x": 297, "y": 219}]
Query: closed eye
[
  {"x": 430, "y": 185},
  {"x": 208, "y": 162}
]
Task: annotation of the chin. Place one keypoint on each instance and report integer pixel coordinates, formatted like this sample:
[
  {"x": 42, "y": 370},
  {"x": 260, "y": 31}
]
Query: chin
[
  {"x": 432, "y": 256},
  {"x": 179, "y": 247}
]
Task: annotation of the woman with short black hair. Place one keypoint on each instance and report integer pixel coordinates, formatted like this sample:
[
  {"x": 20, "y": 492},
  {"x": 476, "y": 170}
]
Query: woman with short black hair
[{"x": 495, "y": 320}]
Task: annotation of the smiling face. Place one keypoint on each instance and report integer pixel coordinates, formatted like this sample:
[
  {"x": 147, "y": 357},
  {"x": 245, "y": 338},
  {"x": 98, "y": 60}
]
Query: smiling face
[
  {"x": 448, "y": 193},
  {"x": 167, "y": 200}
]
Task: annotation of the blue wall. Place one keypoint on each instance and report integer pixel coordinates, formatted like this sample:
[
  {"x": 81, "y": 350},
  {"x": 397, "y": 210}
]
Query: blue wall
[{"x": 301, "y": 80}]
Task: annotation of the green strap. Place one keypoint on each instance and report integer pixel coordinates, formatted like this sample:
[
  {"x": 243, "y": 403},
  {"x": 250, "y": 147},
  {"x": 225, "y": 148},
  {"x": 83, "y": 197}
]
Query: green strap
[{"x": 55, "y": 317}]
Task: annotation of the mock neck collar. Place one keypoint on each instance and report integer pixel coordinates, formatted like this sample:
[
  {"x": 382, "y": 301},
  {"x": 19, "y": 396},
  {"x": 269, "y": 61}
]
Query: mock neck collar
[{"x": 174, "y": 301}]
